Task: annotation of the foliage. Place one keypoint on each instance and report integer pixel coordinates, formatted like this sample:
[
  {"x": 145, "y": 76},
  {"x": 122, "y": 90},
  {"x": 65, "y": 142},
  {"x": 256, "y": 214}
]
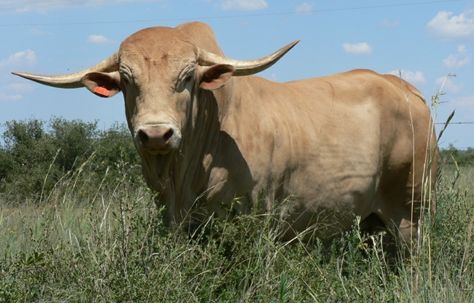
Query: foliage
[
  {"x": 462, "y": 157},
  {"x": 35, "y": 154}
]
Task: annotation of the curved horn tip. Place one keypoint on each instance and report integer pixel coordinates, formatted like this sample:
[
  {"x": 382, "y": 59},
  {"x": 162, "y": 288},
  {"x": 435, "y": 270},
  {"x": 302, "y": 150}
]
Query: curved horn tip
[
  {"x": 292, "y": 44},
  {"x": 20, "y": 74},
  {"x": 27, "y": 76},
  {"x": 23, "y": 75},
  {"x": 296, "y": 41}
]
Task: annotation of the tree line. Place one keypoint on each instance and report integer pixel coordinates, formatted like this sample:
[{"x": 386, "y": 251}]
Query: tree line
[
  {"x": 35, "y": 155},
  {"x": 452, "y": 155}
]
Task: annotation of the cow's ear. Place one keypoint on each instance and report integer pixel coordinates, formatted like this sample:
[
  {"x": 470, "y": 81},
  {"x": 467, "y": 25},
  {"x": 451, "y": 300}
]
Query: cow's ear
[
  {"x": 215, "y": 76},
  {"x": 102, "y": 84}
]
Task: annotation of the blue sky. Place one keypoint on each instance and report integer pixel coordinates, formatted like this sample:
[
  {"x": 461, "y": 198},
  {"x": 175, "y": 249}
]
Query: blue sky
[{"x": 424, "y": 40}]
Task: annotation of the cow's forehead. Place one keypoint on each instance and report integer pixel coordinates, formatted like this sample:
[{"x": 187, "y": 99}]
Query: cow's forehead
[{"x": 158, "y": 44}]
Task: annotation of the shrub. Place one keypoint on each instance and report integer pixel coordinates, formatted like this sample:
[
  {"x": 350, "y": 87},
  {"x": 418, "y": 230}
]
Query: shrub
[{"x": 35, "y": 155}]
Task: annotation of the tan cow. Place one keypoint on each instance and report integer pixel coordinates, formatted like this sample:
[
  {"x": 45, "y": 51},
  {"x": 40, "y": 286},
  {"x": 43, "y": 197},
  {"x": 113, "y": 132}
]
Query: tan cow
[{"x": 322, "y": 150}]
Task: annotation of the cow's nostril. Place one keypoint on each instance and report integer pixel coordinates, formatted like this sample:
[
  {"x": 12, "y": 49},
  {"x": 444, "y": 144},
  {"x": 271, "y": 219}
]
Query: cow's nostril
[
  {"x": 168, "y": 134},
  {"x": 142, "y": 136}
]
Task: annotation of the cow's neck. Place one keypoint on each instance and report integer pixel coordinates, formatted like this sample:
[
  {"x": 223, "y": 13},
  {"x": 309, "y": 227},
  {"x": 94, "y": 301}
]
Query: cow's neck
[
  {"x": 215, "y": 162},
  {"x": 182, "y": 177}
]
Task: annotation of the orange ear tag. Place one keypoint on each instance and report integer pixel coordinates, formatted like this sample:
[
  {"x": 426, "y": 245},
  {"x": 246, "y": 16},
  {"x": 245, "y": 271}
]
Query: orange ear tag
[{"x": 102, "y": 91}]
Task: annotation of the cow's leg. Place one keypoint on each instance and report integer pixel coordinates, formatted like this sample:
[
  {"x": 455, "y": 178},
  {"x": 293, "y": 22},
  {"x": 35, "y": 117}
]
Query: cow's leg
[
  {"x": 399, "y": 204},
  {"x": 402, "y": 222},
  {"x": 402, "y": 201},
  {"x": 404, "y": 198}
]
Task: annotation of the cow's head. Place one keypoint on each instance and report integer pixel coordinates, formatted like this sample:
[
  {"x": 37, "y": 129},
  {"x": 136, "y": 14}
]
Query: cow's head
[{"x": 158, "y": 70}]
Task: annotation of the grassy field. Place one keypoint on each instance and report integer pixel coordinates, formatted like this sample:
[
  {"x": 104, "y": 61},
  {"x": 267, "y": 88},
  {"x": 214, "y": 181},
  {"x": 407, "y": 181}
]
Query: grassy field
[{"x": 89, "y": 242}]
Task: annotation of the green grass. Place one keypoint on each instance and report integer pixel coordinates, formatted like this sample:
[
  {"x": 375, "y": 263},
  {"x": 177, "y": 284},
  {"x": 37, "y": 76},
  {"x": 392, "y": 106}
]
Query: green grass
[{"x": 86, "y": 242}]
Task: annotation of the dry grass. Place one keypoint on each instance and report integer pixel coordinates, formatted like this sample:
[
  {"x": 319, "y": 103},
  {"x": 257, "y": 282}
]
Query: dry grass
[{"x": 108, "y": 244}]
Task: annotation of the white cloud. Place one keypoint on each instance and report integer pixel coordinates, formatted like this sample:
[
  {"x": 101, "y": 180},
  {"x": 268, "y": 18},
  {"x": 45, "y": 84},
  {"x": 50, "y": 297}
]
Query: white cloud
[
  {"x": 360, "y": 48},
  {"x": 98, "y": 39},
  {"x": 447, "y": 25},
  {"x": 447, "y": 85},
  {"x": 22, "y": 6},
  {"x": 304, "y": 8},
  {"x": 19, "y": 58},
  {"x": 415, "y": 77},
  {"x": 15, "y": 91},
  {"x": 246, "y": 5},
  {"x": 459, "y": 59},
  {"x": 20, "y": 88}
]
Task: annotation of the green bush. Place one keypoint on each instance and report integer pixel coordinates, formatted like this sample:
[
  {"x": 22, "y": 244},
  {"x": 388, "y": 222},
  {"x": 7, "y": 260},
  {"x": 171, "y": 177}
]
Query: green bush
[
  {"x": 461, "y": 157},
  {"x": 75, "y": 140},
  {"x": 35, "y": 155}
]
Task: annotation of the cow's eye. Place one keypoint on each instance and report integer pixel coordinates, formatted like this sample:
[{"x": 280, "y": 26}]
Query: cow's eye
[
  {"x": 188, "y": 77},
  {"x": 126, "y": 75},
  {"x": 184, "y": 78}
]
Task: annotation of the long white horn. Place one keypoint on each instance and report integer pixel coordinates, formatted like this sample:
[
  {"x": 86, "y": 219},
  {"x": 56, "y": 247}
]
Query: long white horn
[
  {"x": 244, "y": 67},
  {"x": 72, "y": 80}
]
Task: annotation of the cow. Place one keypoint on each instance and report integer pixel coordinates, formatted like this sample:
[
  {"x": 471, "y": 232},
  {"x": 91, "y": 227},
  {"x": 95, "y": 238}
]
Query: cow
[{"x": 214, "y": 138}]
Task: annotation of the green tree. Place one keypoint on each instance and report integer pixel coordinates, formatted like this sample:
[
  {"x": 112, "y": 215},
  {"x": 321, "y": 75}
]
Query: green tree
[
  {"x": 36, "y": 155},
  {"x": 115, "y": 149},
  {"x": 27, "y": 157},
  {"x": 75, "y": 140}
]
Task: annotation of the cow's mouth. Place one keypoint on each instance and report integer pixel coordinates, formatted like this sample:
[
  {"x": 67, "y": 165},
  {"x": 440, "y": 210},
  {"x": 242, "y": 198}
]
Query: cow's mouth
[{"x": 158, "y": 152}]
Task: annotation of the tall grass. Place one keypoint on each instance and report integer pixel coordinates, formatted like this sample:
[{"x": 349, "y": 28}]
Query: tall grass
[{"x": 90, "y": 242}]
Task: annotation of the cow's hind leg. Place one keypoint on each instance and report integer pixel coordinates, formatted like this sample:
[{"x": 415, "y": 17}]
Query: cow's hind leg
[
  {"x": 402, "y": 222},
  {"x": 399, "y": 206}
]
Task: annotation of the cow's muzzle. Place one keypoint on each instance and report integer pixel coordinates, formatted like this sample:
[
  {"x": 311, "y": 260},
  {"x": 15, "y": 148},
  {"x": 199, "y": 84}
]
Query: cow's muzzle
[{"x": 158, "y": 139}]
